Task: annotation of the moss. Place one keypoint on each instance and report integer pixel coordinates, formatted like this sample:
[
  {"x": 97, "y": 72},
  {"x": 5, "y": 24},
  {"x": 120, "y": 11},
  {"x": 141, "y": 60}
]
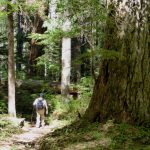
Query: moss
[{"x": 98, "y": 136}]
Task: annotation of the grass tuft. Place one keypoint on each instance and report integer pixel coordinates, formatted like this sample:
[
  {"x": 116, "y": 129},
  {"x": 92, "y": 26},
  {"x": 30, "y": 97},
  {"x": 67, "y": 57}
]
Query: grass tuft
[{"x": 7, "y": 127}]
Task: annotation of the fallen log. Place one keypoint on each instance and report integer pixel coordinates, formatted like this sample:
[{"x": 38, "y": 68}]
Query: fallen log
[{"x": 36, "y": 86}]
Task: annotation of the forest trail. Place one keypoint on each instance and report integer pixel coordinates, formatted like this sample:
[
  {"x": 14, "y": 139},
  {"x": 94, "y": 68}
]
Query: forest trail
[{"x": 29, "y": 138}]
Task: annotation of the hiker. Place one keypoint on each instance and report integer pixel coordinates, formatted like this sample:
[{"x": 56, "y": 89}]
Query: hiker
[{"x": 41, "y": 108}]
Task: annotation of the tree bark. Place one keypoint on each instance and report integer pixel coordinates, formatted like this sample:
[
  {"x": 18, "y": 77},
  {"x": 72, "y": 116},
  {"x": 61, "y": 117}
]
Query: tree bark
[
  {"x": 75, "y": 53},
  {"x": 35, "y": 50},
  {"x": 85, "y": 66},
  {"x": 66, "y": 59},
  {"x": 66, "y": 62},
  {"x": 122, "y": 88},
  {"x": 11, "y": 69},
  {"x": 20, "y": 38}
]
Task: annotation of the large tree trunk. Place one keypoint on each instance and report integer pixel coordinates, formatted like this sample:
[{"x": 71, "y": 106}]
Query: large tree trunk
[
  {"x": 11, "y": 69},
  {"x": 122, "y": 89}
]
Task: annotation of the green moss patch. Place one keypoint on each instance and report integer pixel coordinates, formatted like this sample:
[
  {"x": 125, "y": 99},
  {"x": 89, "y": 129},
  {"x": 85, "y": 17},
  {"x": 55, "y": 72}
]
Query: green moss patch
[{"x": 108, "y": 136}]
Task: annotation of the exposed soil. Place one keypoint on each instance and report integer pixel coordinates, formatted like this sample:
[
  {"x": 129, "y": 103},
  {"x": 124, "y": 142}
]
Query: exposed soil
[{"x": 28, "y": 140}]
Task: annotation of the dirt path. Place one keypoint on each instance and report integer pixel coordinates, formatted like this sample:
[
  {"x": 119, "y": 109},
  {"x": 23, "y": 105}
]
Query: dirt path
[{"x": 28, "y": 139}]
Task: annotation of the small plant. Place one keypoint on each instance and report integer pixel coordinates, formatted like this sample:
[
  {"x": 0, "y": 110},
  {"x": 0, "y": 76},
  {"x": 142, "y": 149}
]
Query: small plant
[
  {"x": 7, "y": 127},
  {"x": 3, "y": 107},
  {"x": 126, "y": 137},
  {"x": 97, "y": 134}
]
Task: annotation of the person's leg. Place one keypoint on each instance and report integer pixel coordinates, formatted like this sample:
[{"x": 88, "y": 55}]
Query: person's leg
[
  {"x": 43, "y": 118},
  {"x": 37, "y": 120}
]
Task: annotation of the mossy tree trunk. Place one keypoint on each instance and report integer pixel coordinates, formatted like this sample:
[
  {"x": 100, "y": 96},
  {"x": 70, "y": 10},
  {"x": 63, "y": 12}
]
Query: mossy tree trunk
[{"x": 122, "y": 89}]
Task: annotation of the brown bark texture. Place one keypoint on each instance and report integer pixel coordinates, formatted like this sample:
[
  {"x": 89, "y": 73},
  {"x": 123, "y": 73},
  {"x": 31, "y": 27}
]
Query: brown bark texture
[{"x": 122, "y": 89}]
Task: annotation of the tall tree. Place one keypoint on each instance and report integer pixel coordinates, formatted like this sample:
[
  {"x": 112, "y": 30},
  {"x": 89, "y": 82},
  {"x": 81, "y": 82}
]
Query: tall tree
[
  {"x": 87, "y": 18},
  {"x": 122, "y": 88},
  {"x": 75, "y": 53},
  {"x": 66, "y": 59},
  {"x": 11, "y": 68},
  {"x": 37, "y": 27},
  {"x": 20, "y": 38}
]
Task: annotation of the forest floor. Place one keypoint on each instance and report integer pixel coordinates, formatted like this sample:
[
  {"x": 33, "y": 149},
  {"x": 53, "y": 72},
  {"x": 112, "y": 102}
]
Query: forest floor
[
  {"x": 61, "y": 135},
  {"x": 28, "y": 139},
  {"x": 97, "y": 136}
]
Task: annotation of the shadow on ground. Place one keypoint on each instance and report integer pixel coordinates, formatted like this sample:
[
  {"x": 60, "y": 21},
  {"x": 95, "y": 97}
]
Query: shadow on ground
[{"x": 96, "y": 136}]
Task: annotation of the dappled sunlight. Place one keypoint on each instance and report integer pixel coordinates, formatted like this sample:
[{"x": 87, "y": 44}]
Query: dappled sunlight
[
  {"x": 74, "y": 75},
  {"x": 95, "y": 136},
  {"x": 16, "y": 121},
  {"x": 30, "y": 136},
  {"x": 107, "y": 126},
  {"x": 105, "y": 142},
  {"x": 34, "y": 132},
  {"x": 74, "y": 137}
]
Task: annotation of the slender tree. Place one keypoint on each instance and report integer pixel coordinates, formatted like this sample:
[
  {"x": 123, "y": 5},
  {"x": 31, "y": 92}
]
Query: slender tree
[
  {"x": 11, "y": 68},
  {"x": 20, "y": 38},
  {"x": 66, "y": 59},
  {"x": 75, "y": 53}
]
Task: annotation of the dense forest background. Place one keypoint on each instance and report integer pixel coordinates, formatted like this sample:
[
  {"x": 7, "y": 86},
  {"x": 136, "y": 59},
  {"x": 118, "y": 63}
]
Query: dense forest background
[{"x": 91, "y": 59}]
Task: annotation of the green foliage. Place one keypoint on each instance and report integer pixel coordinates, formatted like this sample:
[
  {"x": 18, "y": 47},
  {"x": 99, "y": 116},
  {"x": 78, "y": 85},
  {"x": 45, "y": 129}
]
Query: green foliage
[
  {"x": 28, "y": 8},
  {"x": 56, "y": 102},
  {"x": 3, "y": 107},
  {"x": 3, "y": 15},
  {"x": 72, "y": 137},
  {"x": 21, "y": 75},
  {"x": 107, "y": 54},
  {"x": 7, "y": 127},
  {"x": 3, "y": 101},
  {"x": 87, "y": 18},
  {"x": 50, "y": 59},
  {"x": 97, "y": 136},
  {"x": 19, "y": 5},
  {"x": 50, "y": 37},
  {"x": 70, "y": 111},
  {"x": 57, "y": 108},
  {"x": 4, "y": 123},
  {"x": 99, "y": 54},
  {"x": 3, "y": 49},
  {"x": 127, "y": 136},
  {"x": 24, "y": 102},
  {"x": 86, "y": 82}
]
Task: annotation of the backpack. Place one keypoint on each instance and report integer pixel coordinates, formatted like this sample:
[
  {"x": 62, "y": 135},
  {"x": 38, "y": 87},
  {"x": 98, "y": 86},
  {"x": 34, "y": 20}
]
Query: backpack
[{"x": 40, "y": 104}]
